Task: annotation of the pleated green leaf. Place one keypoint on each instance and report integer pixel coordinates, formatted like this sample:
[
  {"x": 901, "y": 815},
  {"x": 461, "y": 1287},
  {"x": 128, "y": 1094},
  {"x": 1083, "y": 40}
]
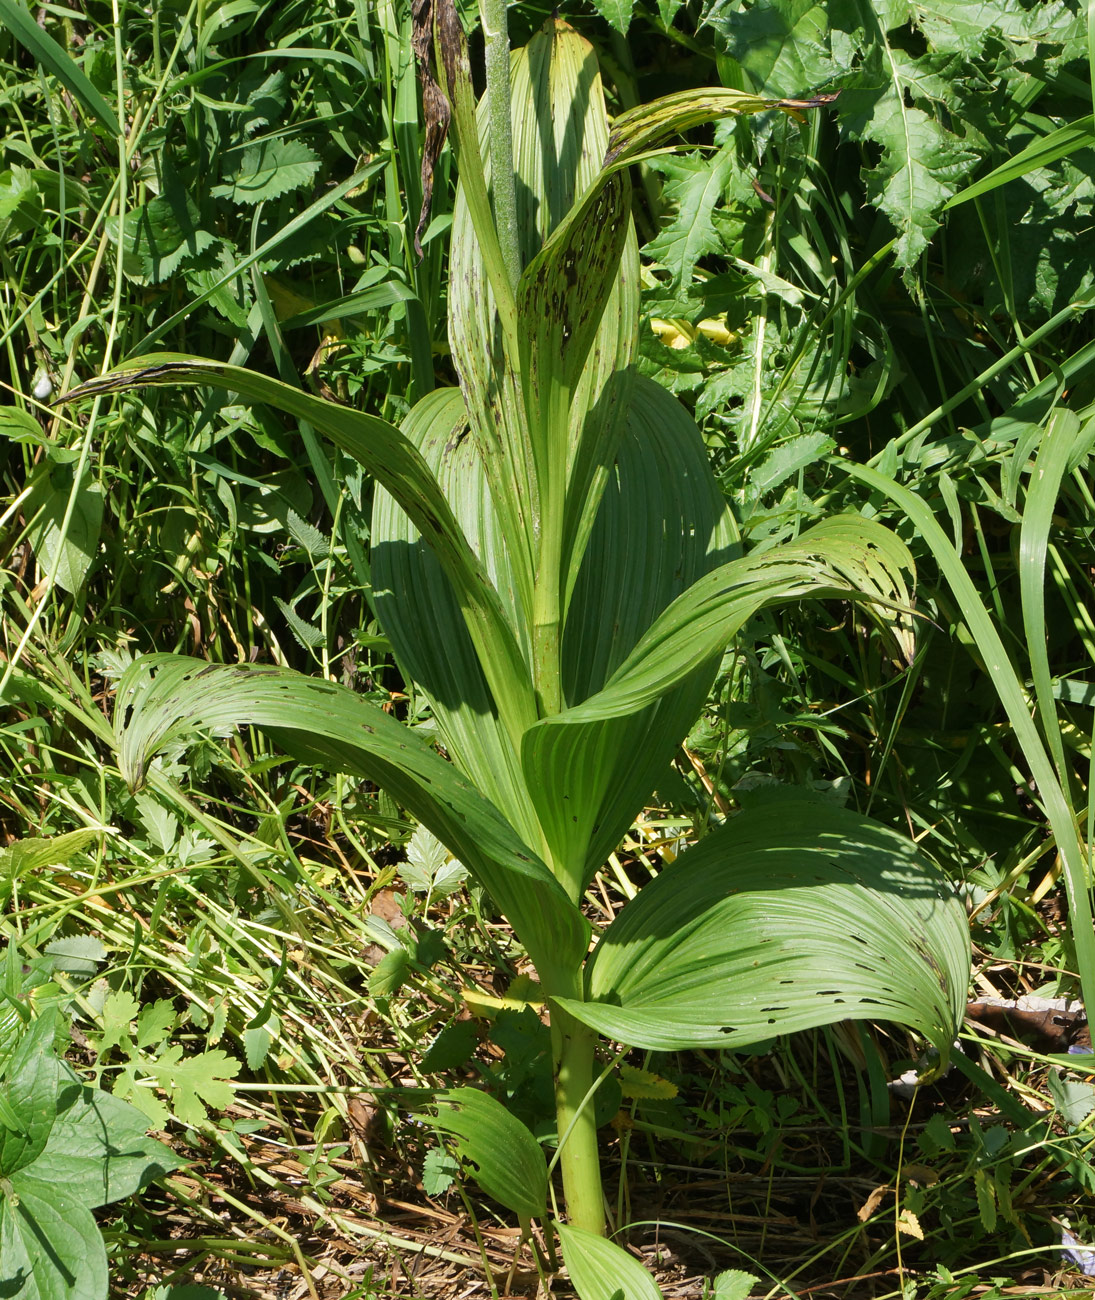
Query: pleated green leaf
[
  {"x": 397, "y": 464},
  {"x": 662, "y": 524},
  {"x": 847, "y": 557},
  {"x": 560, "y": 134},
  {"x": 508, "y": 1163},
  {"x": 167, "y": 698},
  {"x": 591, "y": 768},
  {"x": 415, "y": 603},
  {"x": 791, "y": 915},
  {"x": 601, "y": 1270}
]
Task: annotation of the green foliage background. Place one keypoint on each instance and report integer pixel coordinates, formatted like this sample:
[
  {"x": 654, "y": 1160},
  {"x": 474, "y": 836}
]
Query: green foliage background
[{"x": 833, "y": 301}]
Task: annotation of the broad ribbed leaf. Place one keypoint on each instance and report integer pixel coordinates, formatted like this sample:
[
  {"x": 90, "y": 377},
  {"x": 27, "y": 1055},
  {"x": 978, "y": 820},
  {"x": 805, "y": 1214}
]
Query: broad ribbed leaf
[
  {"x": 601, "y": 1270},
  {"x": 847, "y": 557},
  {"x": 662, "y": 524},
  {"x": 396, "y": 463},
  {"x": 165, "y": 698},
  {"x": 415, "y": 603},
  {"x": 591, "y": 768},
  {"x": 560, "y": 133},
  {"x": 791, "y": 915},
  {"x": 508, "y": 1162}
]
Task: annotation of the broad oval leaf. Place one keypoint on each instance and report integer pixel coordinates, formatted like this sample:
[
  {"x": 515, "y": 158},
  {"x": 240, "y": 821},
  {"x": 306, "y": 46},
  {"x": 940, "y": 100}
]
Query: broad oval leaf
[
  {"x": 165, "y": 698},
  {"x": 601, "y": 1270},
  {"x": 847, "y": 557},
  {"x": 508, "y": 1163},
  {"x": 791, "y": 915},
  {"x": 50, "y": 1246},
  {"x": 662, "y": 524}
]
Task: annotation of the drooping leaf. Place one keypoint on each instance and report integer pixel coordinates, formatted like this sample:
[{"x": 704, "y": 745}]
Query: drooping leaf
[
  {"x": 507, "y": 1161},
  {"x": 793, "y": 914},
  {"x": 601, "y": 1270},
  {"x": 164, "y": 698},
  {"x": 19, "y": 21},
  {"x": 388, "y": 454}
]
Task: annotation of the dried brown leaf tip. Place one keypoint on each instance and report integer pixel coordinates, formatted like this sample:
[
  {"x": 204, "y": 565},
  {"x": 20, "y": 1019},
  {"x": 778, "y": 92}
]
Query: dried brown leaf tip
[{"x": 435, "y": 108}]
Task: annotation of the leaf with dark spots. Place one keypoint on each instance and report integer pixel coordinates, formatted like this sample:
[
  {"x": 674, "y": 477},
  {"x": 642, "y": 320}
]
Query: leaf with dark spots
[{"x": 435, "y": 108}]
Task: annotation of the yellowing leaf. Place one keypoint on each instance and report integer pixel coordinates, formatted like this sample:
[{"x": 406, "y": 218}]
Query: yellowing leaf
[
  {"x": 644, "y": 1084},
  {"x": 909, "y": 1224}
]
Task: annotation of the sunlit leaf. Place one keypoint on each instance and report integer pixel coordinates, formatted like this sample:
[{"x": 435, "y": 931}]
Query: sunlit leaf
[{"x": 793, "y": 914}]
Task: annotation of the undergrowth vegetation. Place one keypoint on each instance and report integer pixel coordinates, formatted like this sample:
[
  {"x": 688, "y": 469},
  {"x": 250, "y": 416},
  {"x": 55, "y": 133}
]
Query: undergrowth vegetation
[{"x": 875, "y": 306}]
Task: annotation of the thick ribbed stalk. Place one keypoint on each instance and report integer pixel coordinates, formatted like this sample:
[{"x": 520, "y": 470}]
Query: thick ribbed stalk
[
  {"x": 572, "y": 1047},
  {"x": 492, "y": 14}
]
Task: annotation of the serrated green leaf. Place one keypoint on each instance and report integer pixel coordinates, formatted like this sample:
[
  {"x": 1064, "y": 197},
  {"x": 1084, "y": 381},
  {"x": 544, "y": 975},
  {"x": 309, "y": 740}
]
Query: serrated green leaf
[
  {"x": 695, "y": 186},
  {"x": 789, "y": 916},
  {"x": 986, "y": 1199},
  {"x": 601, "y": 1270},
  {"x": 31, "y": 854},
  {"x": 1074, "y": 1100},
  {"x": 65, "y": 552},
  {"x": 154, "y": 1110},
  {"x": 390, "y": 973},
  {"x": 311, "y": 638},
  {"x": 306, "y": 535},
  {"x": 644, "y": 1084},
  {"x": 17, "y": 425},
  {"x": 734, "y": 1284},
  {"x": 256, "y": 1045},
  {"x": 270, "y": 169},
  {"x": 165, "y": 233},
  {"x": 506, "y": 1160},
  {"x": 120, "y": 1009},
  {"x": 439, "y": 1171},
  {"x": 617, "y": 13},
  {"x": 155, "y": 1022}
]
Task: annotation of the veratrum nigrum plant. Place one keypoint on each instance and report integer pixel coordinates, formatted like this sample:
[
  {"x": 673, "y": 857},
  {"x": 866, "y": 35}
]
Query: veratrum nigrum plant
[{"x": 558, "y": 572}]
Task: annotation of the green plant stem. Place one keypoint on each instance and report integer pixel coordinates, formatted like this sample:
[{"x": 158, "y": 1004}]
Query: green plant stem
[
  {"x": 573, "y": 1046},
  {"x": 492, "y": 14}
]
